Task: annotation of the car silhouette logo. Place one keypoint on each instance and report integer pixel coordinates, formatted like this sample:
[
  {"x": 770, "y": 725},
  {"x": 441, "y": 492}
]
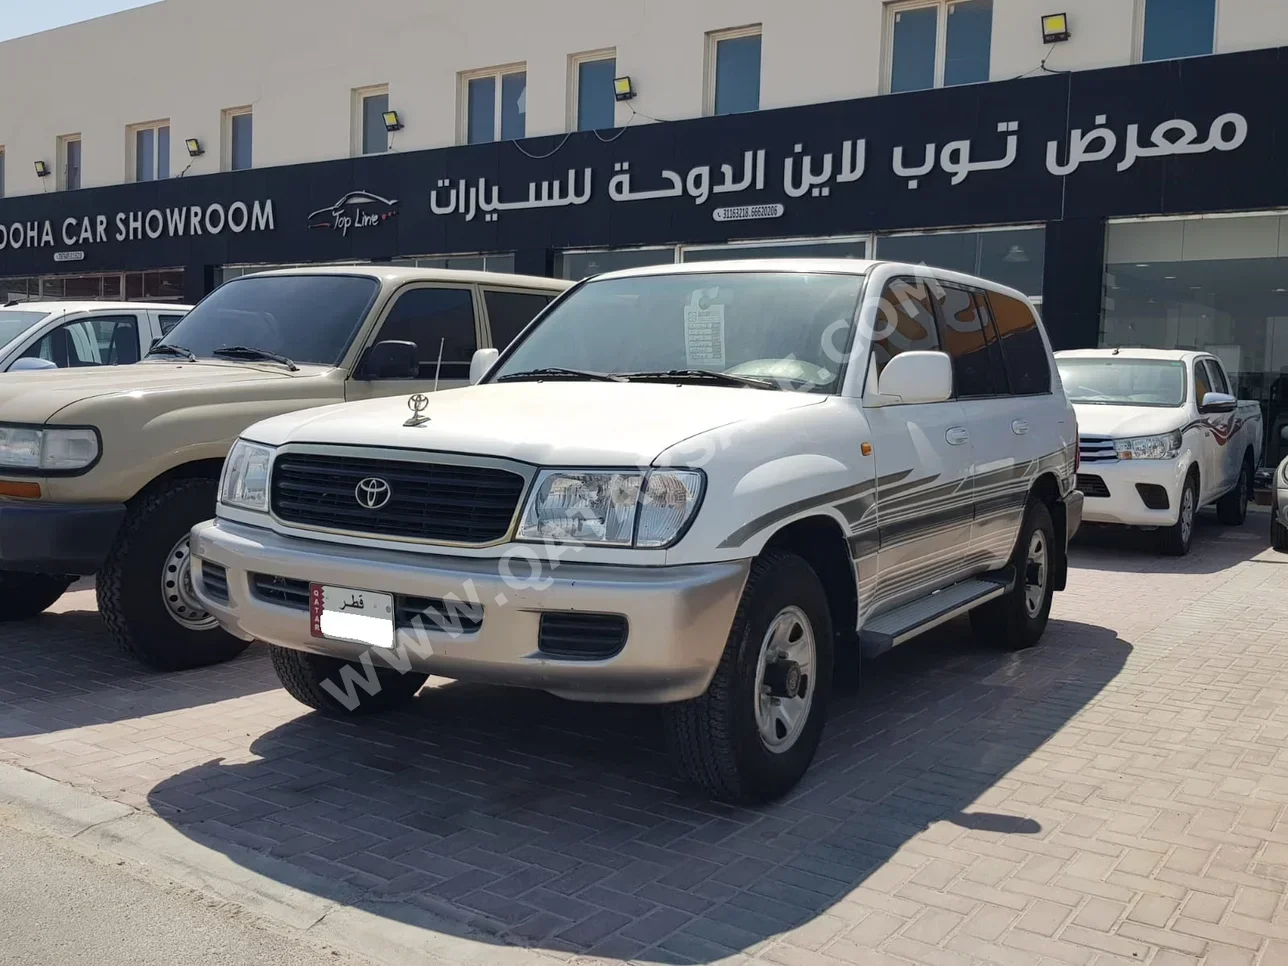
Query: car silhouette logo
[
  {"x": 373, "y": 493},
  {"x": 357, "y": 209}
]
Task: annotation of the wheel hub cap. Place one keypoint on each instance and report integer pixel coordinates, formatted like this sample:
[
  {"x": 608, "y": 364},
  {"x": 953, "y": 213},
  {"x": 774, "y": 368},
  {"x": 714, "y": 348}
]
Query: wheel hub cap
[
  {"x": 784, "y": 670},
  {"x": 177, "y": 591},
  {"x": 1187, "y": 514},
  {"x": 1035, "y": 574}
]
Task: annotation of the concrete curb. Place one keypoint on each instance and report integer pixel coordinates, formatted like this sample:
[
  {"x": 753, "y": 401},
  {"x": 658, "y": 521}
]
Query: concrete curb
[{"x": 394, "y": 932}]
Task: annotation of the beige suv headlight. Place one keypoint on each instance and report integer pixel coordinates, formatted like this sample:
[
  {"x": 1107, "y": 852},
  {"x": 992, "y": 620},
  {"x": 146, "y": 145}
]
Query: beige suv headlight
[
  {"x": 48, "y": 449},
  {"x": 245, "y": 481}
]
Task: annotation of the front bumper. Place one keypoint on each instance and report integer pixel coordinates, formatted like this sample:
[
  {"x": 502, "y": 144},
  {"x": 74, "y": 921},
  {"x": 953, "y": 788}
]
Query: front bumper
[
  {"x": 1123, "y": 481},
  {"x": 678, "y": 617},
  {"x": 52, "y": 538}
]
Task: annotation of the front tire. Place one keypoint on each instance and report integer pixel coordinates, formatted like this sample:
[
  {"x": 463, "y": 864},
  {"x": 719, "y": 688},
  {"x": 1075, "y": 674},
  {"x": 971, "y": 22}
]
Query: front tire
[
  {"x": 145, "y": 589},
  {"x": 1176, "y": 540},
  {"x": 753, "y": 734},
  {"x": 1017, "y": 620},
  {"x": 24, "y": 596},
  {"x": 303, "y": 676},
  {"x": 1232, "y": 509}
]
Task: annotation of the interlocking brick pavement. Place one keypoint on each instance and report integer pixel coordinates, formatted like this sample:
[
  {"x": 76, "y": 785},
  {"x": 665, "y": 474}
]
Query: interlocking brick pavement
[{"x": 1116, "y": 795}]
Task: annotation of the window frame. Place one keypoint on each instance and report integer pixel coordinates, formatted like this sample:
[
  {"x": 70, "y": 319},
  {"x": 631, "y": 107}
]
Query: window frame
[
  {"x": 377, "y": 330},
  {"x": 226, "y": 137},
  {"x": 575, "y": 62},
  {"x": 463, "y": 100},
  {"x": 61, "y": 180},
  {"x": 892, "y": 10},
  {"x": 131, "y": 150},
  {"x": 358, "y": 97},
  {"x": 1138, "y": 34},
  {"x": 714, "y": 37}
]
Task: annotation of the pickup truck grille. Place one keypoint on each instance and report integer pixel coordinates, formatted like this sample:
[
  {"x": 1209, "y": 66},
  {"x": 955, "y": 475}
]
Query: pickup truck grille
[
  {"x": 441, "y": 502},
  {"x": 1096, "y": 449}
]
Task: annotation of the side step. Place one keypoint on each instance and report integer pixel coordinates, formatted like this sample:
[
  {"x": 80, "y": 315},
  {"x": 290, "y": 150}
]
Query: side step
[{"x": 918, "y": 616}]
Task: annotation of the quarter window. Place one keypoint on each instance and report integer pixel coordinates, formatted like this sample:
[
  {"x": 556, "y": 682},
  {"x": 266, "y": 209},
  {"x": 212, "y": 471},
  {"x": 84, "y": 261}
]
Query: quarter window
[
  {"x": 1028, "y": 370},
  {"x": 508, "y": 313},
  {"x": 939, "y": 44},
  {"x": 1178, "y": 28},
  {"x": 434, "y": 318},
  {"x": 905, "y": 322},
  {"x": 967, "y": 334}
]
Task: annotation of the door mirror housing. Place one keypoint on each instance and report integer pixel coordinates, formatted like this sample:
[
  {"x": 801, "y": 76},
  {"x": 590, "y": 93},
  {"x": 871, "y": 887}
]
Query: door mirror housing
[
  {"x": 483, "y": 360},
  {"x": 390, "y": 360},
  {"x": 916, "y": 377},
  {"x": 1218, "y": 402},
  {"x": 31, "y": 364}
]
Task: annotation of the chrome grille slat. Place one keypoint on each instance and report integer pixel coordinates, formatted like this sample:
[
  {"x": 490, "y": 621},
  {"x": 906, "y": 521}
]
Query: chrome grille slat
[{"x": 1096, "y": 449}]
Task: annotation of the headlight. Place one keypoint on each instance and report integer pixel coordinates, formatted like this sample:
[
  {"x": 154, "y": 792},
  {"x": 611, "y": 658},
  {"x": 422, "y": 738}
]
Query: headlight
[
  {"x": 49, "y": 450},
  {"x": 245, "y": 481},
  {"x": 1149, "y": 447},
  {"x": 611, "y": 509}
]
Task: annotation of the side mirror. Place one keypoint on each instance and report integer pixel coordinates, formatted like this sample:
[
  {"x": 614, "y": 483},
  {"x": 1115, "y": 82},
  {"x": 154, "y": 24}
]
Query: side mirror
[
  {"x": 916, "y": 377},
  {"x": 1218, "y": 402},
  {"x": 484, "y": 359},
  {"x": 390, "y": 360},
  {"x": 30, "y": 364}
]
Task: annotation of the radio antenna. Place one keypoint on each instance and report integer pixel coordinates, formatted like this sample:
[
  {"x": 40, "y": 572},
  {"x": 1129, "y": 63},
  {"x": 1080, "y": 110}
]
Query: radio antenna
[{"x": 439, "y": 368}]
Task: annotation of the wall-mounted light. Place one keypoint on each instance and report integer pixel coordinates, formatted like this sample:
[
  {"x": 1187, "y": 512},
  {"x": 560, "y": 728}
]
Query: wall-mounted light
[
  {"x": 42, "y": 169},
  {"x": 195, "y": 150},
  {"x": 623, "y": 89},
  {"x": 392, "y": 121},
  {"x": 1055, "y": 28}
]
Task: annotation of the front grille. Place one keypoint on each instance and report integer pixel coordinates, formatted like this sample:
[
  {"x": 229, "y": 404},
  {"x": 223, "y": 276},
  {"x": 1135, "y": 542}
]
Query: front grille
[
  {"x": 581, "y": 637},
  {"x": 1096, "y": 449},
  {"x": 214, "y": 579},
  {"x": 432, "y": 613},
  {"x": 1092, "y": 486},
  {"x": 440, "y": 502}
]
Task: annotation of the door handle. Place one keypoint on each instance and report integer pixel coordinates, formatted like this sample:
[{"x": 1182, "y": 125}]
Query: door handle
[
  {"x": 1019, "y": 427},
  {"x": 957, "y": 436}
]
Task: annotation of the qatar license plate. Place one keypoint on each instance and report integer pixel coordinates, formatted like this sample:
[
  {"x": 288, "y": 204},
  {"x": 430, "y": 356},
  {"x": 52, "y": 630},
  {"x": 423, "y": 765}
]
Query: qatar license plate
[{"x": 356, "y": 616}]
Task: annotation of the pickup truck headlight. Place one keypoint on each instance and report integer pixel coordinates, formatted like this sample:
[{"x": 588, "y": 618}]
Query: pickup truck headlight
[
  {"x": 1165, "y": 447},
  {"x": 609, "y": 508},
  {"x": 49, "y": 450},
  {"x": 245, "y": 480}
]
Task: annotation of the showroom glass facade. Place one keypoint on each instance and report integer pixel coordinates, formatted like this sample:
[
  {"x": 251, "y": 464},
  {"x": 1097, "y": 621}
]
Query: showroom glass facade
[
  {"x": 1216, "y": 283},
  {"x": 165, "y": 285}
]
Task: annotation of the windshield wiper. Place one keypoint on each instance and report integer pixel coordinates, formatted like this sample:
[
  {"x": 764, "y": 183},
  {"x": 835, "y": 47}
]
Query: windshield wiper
[
  {"x": 681, "y": 375},
  {"x": 172, "y": 350},
  {"x": 557, "y": 372},
  {"x": 250, "y": 352}
]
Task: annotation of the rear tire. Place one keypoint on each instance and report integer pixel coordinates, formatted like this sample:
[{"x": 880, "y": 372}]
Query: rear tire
[
  {"x": 24, "y": 596},
  {"x": 1016, "y": 620},
  {"x": 144, "y": 589},
  {"x": 737, "y": 741},
  {"x": 1177, "y": 539},
  {"x": 1232, "y": 509},
  {"x": 1278, "y": 532},
  {"x": 303, "y": 674}
]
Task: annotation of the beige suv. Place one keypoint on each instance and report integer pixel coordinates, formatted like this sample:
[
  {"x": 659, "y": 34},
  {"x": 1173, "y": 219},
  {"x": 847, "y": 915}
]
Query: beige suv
[{"x": 106, "y": 471}]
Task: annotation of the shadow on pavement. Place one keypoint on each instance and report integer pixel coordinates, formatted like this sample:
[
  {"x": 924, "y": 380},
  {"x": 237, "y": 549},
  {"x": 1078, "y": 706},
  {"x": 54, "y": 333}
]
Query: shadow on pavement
[
  {"x": 518, "y": 818},
  {"x": 1215, "y": 548}
]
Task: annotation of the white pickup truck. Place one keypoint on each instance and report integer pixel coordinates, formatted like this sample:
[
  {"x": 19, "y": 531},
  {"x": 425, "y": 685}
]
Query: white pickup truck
[
  {"x": 1160, "y": 437},
  {"x": 76, "y": 335}
]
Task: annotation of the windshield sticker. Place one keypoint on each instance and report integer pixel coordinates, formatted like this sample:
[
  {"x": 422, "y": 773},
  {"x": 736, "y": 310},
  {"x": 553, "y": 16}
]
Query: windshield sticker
[{"x": 704, "y": 333}]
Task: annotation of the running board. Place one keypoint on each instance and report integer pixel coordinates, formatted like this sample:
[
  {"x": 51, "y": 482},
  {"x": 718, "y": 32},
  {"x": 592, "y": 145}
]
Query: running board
[{"x": 916, "y": 617}]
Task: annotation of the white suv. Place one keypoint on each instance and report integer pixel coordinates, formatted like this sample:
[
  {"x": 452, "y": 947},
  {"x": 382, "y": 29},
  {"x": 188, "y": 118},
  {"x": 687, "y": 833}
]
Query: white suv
[{"x": 699, "y": 486}]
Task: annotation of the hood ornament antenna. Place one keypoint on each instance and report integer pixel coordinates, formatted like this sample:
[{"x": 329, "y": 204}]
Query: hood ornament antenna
[{"x": 420, "y": 402}]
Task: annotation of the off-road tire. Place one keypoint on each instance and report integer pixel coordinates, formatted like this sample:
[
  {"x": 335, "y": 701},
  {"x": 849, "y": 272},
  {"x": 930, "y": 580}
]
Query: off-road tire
[
  {"x": 1172, "y": 541},
  {"x": 1232, "y": 509},
  {"x": 302, "y": 675},
  {"x": 129, "y": 588},
  {"x": 1005, "y": 621},
  {"x": 714, "y": 737},
  {"x": 1278, "y": 532},
  {"x": 24, "y": 596}
]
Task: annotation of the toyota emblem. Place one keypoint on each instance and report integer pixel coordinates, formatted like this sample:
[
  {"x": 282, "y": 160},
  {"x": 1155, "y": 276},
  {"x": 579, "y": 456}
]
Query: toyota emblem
[{"x": 373, "y": 493}]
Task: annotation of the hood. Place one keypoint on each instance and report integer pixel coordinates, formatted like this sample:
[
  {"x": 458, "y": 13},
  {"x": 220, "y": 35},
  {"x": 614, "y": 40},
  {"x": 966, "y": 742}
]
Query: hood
[
  {"x": 550, "y": 423},
  {"x": 1124, "y": 421},
  {"x": 35, "y": 397}
]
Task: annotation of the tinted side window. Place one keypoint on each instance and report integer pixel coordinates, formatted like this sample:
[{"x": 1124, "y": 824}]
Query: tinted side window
[
  {"x": 1027, "y": 368},
  {"x": 431, "y": 317},
  {"x": 905, "y": 322},
  {"x": 977, "y": 369},
  {"x": 1202, "y": 382},
  {"x": 168, "y": 322},
  {"x": 1217, "y": 376},
  {"x": 102, "y": 341},
  {"x": 508, "y": 313}
]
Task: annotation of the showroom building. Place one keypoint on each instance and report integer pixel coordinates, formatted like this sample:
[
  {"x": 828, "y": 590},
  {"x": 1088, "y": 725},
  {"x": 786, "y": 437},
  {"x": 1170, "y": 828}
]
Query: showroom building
[{"x": 1128, "y": 168}]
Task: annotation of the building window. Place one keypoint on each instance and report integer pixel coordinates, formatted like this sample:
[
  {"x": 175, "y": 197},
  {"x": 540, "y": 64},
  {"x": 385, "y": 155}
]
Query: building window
[
  {"x": 150, "y": 146},
  {"x": 733, "y": 71},
  {"x": 69, "y": 162},
  {"x": 494, "y": 104},
  {"x": 939, "y": 44},
  {"x": 238, "y": 129},
  {"x": 593, "y": 103},
  {"x": 577, "y": 265},
  {"x": 2, "y": 176},
  {"x": 369, "y": 134},
  {"x": 495, "y": 262},
  {"x": 1012, "y": 256},
  {"x": 788, "y": 248},
  {"x": 1178, "y": 28}
]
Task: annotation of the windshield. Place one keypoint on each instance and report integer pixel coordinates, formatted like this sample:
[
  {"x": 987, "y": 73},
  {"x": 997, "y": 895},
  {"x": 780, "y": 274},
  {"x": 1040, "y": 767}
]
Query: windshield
[
  {"x": 307, "y": 318},
  {"x": 14, "y": 324},
  {"x": 787, "y": 327},
  {"x": 1123, "y": 382}
]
